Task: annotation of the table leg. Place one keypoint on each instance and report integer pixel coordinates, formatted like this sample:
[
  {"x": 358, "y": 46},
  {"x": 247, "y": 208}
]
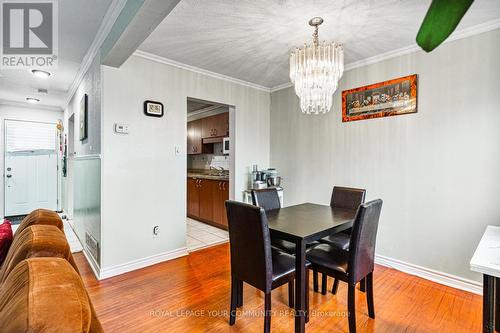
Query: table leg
[
  {"x": 488, "y": 304},
  {"x": 497, "y": 304},
  {"x": 300, "y": 287}
]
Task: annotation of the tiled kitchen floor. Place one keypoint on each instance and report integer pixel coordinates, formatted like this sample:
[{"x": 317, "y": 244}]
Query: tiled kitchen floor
[{"x": 201, "y": 235}]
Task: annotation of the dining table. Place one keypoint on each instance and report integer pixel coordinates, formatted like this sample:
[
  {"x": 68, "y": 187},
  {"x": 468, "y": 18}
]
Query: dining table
[{"x": 303, "y": 224}]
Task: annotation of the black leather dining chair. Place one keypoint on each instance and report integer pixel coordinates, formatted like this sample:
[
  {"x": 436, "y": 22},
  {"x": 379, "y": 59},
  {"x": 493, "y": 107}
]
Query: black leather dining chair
[
  {"x": 269, "y": 199},
  {"x": 342, "y": 197},
  {"x": 355, "y": 264},
  {"x": 254, "y": 261}
]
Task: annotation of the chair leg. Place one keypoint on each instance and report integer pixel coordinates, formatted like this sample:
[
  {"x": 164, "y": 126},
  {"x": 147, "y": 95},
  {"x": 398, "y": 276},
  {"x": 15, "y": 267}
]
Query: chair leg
[
  {"x": 369, "y": 295},
  {"x": 234, "y": 300},
  {"x": 323, "y": 283},
  {"x": 351, "y": 305},
  {"x": 315, "y": 280},
  {"x": 335, "y": 286},
  {"x": 240, "y": 294},
  {"x": 307, "y": 295},
  {"x": 291, "y": 296},
  {"x": 267, "y": 313},
  {"x": 362, "y": 285}
]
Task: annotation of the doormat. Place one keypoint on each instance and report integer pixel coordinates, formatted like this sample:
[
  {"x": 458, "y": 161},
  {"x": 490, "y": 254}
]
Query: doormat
[{"x": 15, "y": 219}]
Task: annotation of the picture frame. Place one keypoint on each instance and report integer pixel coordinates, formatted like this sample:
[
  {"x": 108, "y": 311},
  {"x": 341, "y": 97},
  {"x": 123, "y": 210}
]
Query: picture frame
[
  {"x": 153, "y": 109},
  {"x": 83, "y": 117},
  {"x": 383, "y": 99}
]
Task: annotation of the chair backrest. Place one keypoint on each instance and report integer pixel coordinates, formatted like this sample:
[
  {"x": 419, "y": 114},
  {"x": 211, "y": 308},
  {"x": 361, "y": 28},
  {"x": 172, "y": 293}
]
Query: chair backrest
[
  {"x": 250, "y": 245},
  {"x": 363, "y": 239},
  {"x": 267, "y": 198},
  {"x": 347, "y": 197}
]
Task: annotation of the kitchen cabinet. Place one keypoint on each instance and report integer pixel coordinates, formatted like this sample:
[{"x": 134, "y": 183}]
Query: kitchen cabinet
[
  {"x": 194, "y": 141},
  {"x": 215, "y": 126},
  {"x": 206, "y": 207},
  {"x": 206, "y": 200},
  {"x": 193, "y": 197},
  {"x": 219, "y": 196}
]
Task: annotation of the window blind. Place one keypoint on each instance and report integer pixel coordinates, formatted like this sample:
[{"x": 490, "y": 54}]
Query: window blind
[{"x": 27, "y": 136}]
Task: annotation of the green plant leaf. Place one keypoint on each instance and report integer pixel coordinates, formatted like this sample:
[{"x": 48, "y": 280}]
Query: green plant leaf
[{"x": 440, "y": 21}]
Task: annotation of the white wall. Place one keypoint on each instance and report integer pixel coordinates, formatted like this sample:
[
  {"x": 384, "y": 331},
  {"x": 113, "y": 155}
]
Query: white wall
[
  {"x": 22, "y": 113},
  {"x": 86, "y": 217},
  {"x": 438, "y": 171},
  {"x": 90, "y": 85},
  {"x": 144, "y": 183}
]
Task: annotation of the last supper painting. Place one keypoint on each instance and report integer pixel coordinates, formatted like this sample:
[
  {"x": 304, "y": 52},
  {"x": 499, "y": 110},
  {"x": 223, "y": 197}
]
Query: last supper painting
[{"x": 389, "y": 98}]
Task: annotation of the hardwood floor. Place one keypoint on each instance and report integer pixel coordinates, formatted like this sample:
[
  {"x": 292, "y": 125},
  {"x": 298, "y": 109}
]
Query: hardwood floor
[{"x": 191, "y": 294}]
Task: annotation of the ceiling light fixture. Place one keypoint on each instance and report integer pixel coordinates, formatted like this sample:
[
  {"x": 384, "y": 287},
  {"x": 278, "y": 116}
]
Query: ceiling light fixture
[
  {"x": 315, "y": 70},
  {"x": 32, "y": 100},
  {"x": 40, "y": 74}
]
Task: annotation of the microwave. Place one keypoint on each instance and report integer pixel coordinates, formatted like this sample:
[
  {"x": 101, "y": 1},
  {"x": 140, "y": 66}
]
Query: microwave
[{"x": 225, "y": 146}]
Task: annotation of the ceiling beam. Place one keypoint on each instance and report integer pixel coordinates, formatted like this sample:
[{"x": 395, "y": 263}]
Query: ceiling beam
[{"x": 136, "y": 22}]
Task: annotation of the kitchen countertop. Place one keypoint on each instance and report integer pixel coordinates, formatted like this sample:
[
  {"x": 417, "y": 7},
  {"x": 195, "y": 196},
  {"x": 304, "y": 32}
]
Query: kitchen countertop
[{"x": 205, "y": 174}]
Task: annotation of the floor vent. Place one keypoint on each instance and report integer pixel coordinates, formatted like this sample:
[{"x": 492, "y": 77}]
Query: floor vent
[{"x": 93, "y": 247}]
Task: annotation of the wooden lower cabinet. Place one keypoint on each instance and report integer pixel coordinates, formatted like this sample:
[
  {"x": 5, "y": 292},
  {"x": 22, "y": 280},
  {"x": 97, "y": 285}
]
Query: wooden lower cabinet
[
  {"x": 193, "y": 197},
  {"x": 205, "y": 200},
  {"x": 219, "y": 197}
]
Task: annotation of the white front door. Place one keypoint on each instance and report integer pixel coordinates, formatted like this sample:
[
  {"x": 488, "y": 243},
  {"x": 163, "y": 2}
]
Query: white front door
[{"x": 30, "y": 175}]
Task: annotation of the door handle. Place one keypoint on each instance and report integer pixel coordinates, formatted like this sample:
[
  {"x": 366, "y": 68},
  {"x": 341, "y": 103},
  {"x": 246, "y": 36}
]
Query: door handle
[{"x": 9, "y": 176}]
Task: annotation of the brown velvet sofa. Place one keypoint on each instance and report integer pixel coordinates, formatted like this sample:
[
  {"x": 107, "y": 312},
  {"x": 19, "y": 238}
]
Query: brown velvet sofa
[{"x": 40, "y": 286}]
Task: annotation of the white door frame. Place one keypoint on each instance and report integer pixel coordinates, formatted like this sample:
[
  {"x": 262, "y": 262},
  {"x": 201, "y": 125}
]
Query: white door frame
[{"x": 59, "y": 174}]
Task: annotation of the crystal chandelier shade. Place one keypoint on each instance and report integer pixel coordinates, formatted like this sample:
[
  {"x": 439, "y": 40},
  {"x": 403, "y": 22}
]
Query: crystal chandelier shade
[{"x": 315, "y": 70}]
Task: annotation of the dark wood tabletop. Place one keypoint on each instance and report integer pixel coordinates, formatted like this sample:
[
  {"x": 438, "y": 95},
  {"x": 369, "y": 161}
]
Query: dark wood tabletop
[
  {"x": 303, "y": 224},
  {"x": 309, "y": 221}
]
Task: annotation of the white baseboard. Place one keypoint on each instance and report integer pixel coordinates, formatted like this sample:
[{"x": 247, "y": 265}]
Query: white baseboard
[
  {"x": 141, "y": 263},
  {"x": 431, "y": 274},
  {"x": 92, "y": 263}
]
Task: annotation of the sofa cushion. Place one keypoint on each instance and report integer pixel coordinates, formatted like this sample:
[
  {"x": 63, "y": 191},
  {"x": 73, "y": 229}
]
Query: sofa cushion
[
  {"x": 5, "y": 239},
  {"x": 36, "y": 241},
  {"x": 41, "y": 216},
  {"x": 46, "y": 295}
]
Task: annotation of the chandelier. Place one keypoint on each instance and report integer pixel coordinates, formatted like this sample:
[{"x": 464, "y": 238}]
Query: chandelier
[{"x": 315, "y": 70}]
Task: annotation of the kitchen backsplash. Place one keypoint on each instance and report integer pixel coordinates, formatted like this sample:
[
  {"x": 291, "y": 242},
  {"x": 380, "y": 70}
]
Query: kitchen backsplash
[{"x": 204, "y": 161}]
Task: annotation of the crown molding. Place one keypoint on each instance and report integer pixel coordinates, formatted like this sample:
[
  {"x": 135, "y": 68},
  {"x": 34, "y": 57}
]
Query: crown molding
[
  {"x": 25, "y": 105},
  {"x": 281, "y": 86},
  {"x": 108, "y": 21},
  {"x": 166, "y": 61},
  {"x": 464, "y": 33}
]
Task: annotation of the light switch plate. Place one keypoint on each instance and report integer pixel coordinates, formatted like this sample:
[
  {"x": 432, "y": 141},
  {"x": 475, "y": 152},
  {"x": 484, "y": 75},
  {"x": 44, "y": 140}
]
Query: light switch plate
[{"x": 121, "y": 128}]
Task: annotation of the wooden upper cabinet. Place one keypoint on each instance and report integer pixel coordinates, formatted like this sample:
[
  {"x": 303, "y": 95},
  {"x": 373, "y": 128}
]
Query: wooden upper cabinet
[
  {"x": 194, "y": 143},
  {"x": 215, "y": 126}
]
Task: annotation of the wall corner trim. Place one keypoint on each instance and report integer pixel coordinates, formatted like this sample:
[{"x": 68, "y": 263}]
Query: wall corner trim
[
  {"x": 141, "y": 263},
  {"x": 431, "y": 274}
]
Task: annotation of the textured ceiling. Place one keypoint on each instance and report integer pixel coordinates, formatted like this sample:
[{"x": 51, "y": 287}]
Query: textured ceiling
[
  {"x": 79, "y": 21},
  {"x": 250, "y": 39}
]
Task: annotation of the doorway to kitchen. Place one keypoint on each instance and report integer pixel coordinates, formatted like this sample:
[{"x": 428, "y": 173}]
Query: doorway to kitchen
[{"x": 209, "y": 166}]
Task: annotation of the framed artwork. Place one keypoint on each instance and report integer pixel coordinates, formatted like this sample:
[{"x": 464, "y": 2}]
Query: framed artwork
[
  {"x": 153, "y": 109},
  {"x": 383, "y": 99},
  {"x": 84, "y": 112}
]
